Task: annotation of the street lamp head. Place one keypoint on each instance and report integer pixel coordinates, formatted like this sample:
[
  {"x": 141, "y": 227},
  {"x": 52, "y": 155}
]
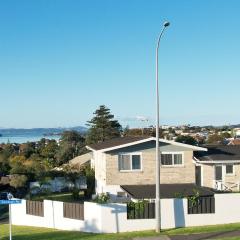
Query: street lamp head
[{"x": 166, "y": 24}]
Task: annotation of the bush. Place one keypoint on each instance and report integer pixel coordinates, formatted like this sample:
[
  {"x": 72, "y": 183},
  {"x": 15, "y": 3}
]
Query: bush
[
  {"x": 18, "y": 181},
  {"x": 75, "y": 194},
  {"x": 102, "y": 198}
]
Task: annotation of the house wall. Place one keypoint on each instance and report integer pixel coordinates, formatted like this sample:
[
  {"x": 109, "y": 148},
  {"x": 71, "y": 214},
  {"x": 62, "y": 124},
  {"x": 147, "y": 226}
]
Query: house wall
[
  {"x": 232, "y": 180},
  {"x": 208, "y": 172},
  {"x": 179, "y": 174},
  {"x": 112, "y": 218},
  {"x": 100, "y": 170},
  {"x": 208, "y": 175}
]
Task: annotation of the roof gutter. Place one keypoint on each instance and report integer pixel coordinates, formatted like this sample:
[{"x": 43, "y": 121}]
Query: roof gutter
[
  {"x": 216, "y": 161},
  {"x": 89, "y": 148}
]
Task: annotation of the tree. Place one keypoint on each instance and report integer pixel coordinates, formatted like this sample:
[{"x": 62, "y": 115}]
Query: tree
[
  {"x": 186, "y": 139},
  {"x": 138, "y": 131},
  {"x": 215, "y": 139},
  {"x": 226, "y": 135},
  {"x": 27, "y": 149},
  {"x": 5, "y": 154},
  {"x": 17, "y": 164},
  {"x": 18, "y": 181},
  {"x": 49, "y": 151},
  {"x": 103, "y": 126},
  {"x": 72, "y": 144}
]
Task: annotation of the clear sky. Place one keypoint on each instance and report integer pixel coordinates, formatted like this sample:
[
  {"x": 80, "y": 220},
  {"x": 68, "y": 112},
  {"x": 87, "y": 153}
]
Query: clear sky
[{"x": 61, "y": 59}]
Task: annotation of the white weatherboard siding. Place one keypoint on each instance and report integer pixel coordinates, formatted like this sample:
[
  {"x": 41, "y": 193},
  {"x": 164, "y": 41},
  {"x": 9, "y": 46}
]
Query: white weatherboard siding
[{"x": 111, "y": 218}]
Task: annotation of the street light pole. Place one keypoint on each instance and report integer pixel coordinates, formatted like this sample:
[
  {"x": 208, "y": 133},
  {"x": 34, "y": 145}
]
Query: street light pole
[{"x": 158, "y": 159}]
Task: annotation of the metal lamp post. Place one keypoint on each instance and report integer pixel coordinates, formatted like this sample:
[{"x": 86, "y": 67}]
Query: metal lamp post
[{"x": 157, "y": 200}]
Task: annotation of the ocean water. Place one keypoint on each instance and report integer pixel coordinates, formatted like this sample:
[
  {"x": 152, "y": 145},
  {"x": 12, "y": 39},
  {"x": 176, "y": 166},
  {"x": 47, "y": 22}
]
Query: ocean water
[
  {"x": 21, "y": 135},
  {"x": 25, "y": 138}
]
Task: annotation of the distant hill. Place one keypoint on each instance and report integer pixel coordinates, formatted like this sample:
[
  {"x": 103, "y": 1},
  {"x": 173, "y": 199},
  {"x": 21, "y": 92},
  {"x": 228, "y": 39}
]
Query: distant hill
[{"x": 220, "y": 126}]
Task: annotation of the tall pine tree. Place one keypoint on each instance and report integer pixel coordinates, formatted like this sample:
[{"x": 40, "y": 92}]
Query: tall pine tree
[{"x": 103, "y": 126}]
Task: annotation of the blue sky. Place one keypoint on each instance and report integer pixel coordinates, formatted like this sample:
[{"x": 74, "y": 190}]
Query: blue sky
[{"x": 59, "y": 60}]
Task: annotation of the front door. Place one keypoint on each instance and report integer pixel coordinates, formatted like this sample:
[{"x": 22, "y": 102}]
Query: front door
[
  {"x": 218, "y": 173},
  {"x": 198, "y": 175}
]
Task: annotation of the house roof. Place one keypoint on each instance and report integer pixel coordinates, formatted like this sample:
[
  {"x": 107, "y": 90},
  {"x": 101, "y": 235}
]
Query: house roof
[
  {"x": 116, "y": 142},
  {"x": 234, "y": 142},
  {"x": 121, "y": 142},
  {"x": 219, "y": 153},
  {"x": 167, "y": 190},
  {"x": 80, "y": 160}
]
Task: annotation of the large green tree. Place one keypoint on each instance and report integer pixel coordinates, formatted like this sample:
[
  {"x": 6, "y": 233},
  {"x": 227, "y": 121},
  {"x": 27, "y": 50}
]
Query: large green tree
[
  {"x": 49, "y": 151},
  {"x": 5, "y": 152},
  {"x": 72, "y": 144},
  {"x": 103, "y": 126}
]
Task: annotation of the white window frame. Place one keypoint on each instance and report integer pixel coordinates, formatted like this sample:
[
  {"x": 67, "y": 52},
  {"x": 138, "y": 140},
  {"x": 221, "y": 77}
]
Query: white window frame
[
  {"x": 173, "y": 165},
  {"x": 229, "y": 174},
  {"x": 131, "y": 153}
]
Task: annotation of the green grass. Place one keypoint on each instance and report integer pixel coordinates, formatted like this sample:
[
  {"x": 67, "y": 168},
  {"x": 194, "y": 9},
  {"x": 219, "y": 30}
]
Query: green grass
[
  {"x": 63, "y": 197},
  {"x": 33, "y": 233},
  {"x": 203, "y": 229},
  {"x": 232, "y": 238}
]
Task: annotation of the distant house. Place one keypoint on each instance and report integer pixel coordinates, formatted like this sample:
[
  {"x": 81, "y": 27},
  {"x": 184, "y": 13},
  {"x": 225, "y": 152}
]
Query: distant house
[
  {"x": 219, "y": 167},
  {"x": 235, "y": 141},
  {"x": 81, "y": 160},
  {"x": 127, "y": 166}
]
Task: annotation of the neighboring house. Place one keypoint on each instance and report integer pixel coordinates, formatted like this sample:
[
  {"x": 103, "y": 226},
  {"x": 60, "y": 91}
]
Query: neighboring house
[
  {"x": 77, "y": 162},
  {"x": 131, "y": 161},
  {"x": 236, "y": 132},
  {"x": 219, "y": 167},
  {"x": 81, "y": 160},
  {"x": 235, "y": 141}
]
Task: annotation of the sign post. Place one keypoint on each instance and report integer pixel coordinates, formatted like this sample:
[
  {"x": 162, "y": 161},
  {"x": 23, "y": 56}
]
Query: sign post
[
  {"x": 10, "y": 222},
  {"x": 10, "y": 202}
]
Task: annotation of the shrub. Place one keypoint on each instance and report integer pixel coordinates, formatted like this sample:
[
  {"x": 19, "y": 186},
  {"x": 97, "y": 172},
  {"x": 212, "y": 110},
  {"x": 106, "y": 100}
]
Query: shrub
[
  {"x": 102, "y": 198},
  {"x": 75, "y": 194},
  {"x": 18, "y": 181}
]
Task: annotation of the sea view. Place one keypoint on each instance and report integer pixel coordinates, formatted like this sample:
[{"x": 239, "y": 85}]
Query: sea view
[
  {"x": 25, "y": 138},
  {"x": 12, "y": 135}
]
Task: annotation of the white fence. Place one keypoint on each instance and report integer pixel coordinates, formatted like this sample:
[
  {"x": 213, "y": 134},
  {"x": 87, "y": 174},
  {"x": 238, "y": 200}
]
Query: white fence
[{"x": 111, "y": 218}]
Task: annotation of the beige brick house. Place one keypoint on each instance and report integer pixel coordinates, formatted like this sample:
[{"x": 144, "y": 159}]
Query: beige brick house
[
  {"x": 219, "y": 167},
  {"x": 130, "y": 161}
]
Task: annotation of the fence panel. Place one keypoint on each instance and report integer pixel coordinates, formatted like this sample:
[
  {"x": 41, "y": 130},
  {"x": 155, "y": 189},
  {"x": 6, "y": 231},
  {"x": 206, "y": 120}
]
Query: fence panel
[
  {"x": 140, "y": 210},
  {"x": 73, "y": 210},
  {"x": 202, "y": 205},
  {"x": 35, "y": 208}
]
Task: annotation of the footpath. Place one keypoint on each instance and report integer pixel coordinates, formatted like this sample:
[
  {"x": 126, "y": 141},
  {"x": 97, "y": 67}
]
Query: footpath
[{"x": 198, "y": 236}]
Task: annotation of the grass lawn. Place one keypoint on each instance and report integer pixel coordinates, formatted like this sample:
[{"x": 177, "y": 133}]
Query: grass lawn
[
  {"x": 33, "y": 233},
  {"x": 63, "y": 197}
]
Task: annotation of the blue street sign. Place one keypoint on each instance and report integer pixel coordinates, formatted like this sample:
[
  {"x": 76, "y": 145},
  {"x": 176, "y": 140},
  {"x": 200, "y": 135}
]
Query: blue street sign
[{"x": 14, "y": 201}]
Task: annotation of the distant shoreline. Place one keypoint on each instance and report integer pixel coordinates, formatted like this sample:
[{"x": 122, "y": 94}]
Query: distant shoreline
[
  {"x": 24, "y": 139},
  {"x": 20, "y": 135}
]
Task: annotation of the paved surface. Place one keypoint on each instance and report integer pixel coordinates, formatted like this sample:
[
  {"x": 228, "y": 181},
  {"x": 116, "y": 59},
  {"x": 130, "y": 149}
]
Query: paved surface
[
  {"x": 202, "y": 236},
  {"x": 153, "y": 238}
]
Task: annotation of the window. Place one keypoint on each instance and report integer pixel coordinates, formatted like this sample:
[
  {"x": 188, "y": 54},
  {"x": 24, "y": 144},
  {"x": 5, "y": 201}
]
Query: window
[
  {"x": 121, "y": 194},
  {"x": 171, "y": 159},
  {"x": 129, "y": 161},
  {"x": 229, "y": 169}
]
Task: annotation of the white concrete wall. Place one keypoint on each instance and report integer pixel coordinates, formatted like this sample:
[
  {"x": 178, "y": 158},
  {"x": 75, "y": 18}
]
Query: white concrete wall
[{"x": 111, "y": 218}]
